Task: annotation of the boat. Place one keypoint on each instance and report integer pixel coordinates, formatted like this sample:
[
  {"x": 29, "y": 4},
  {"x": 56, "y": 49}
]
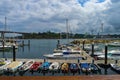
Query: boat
[
  {"x": 112, "y": 54},
  {"x": 35, "y": 66},
  {"x": 64, "y": 54},
  {"x": 114, "y": 44},
  {"x": 74, "y": 67},
  {"x": 103, "y": 57},
  {"x": 54, "y": 55},
  {"x": 26, "y": 66},
  {"x": 13, "y": 66},
  {"x": 2, "y": 62},
  {"x": 5, "y": 47},
  {"x": 85, "y": 68},
  {"x": 3, "y": 65},
  {"x": 88, "y": 47},
  {"x": 55, "y": 66},
  {"x": 65, "y": 68},
  {"x": 66, "y": 47},
  {"x": 97, "y": 53},
  {"x": 115, "y": 67},
  {"x": 94, "y": 67},
  {"x": 45, "y": 66}
]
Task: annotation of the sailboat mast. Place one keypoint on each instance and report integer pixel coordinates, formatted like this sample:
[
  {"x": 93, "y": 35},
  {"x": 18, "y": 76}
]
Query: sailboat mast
[
  {"x": 5, "y": 23},
  {"x": 101, "y": 30},
  {"x": 67, "y": 29}
]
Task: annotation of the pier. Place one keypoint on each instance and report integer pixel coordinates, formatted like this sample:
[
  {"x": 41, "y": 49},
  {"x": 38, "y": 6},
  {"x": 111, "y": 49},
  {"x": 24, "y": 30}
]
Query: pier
[
  {"x": 86, "y": 58},
  {"x": 90, "y": 77}
]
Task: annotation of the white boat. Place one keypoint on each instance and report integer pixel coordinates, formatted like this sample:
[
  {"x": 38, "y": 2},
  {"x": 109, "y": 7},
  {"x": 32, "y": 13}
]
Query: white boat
[
  {"x": 5, "y": 47},
  {"x": 88, "y": 47},
  {"x": 115, "y": 67},
  {"x": 114, "y": 44},
  {"x": 112, "y": 54},
  {"x": 13, "y": 66},
  {"x": 2, "y": 67},
  {"x": 55, "y": 66},
  {"x": 98, "y": 53},
  {"x": 54, "y": 55},
  {"x": 26, "y": 66}
]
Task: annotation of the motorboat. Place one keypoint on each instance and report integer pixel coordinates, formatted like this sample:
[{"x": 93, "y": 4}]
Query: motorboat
[
  {"x": 54, "y": 55},
  {"x": 94, "y": 67},
  {"x": 88, "y": 47},
  {"x": 114, "y": 52},
  {"x": 65, "y": 68},
  {"x": 13, "y": 66},
  {"x": 115, "y": 67},
  {"x": 45, "y": 66},
  {"x": 55, "y": 66},
  {"x": 74, "y": 67},
  {"x": 3, "y": 65},
  {"x": 26, "y": 66},
  {"x": 5, "y": 47},
  {"x": 64, "y": 54},
  {"x": 110, "y": 55},
  {"x": 85, "y": 68},
  {"x": 97, "y": 53},
  {"x": 2, "y": 62},
  {"x": 114, "y": 44},
  {"x": 35, "y": 66}
]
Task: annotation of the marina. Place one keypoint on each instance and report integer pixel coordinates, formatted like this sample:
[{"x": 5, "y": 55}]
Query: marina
[
  {"x": 78, "y": 58},
  {"x": 59, "y": 40}
]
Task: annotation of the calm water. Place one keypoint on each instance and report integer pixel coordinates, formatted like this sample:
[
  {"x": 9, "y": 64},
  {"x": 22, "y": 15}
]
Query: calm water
[
  {"x": 37, "y": 48},
  {"x": 45, "y": 46}
]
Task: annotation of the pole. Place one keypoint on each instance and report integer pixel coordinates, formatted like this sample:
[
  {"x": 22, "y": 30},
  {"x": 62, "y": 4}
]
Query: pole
[
  {"x": 106, "y": 54},
  {"x": 23, "y": 43},
  {"x": 3, "y": 41},
  {"x": 92, "y": 50},
  {"x": 14, "y": 54},
  {"x": 67, "y": 29},
  {"x": 28, "y": 42},
  {"x": 58, "y": 44},
  {"x": 83, "y": 44}
]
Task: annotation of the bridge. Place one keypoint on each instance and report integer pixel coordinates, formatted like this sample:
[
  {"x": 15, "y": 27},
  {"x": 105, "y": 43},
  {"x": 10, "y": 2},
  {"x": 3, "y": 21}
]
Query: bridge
[{"x": 3, "y": 32}]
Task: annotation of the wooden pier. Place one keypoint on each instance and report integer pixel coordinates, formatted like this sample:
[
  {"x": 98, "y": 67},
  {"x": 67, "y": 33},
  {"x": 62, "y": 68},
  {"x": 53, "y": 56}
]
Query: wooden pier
[{"x": 83, "y": 77}]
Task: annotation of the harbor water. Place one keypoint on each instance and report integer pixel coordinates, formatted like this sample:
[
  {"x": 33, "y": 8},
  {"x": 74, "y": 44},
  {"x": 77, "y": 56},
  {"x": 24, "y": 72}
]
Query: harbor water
[{"x": 39, "y": 47}]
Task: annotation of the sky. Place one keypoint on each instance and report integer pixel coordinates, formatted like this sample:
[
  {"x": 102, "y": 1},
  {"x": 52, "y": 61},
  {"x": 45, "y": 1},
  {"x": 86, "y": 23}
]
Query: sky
[{"x": 84, "y": 16}]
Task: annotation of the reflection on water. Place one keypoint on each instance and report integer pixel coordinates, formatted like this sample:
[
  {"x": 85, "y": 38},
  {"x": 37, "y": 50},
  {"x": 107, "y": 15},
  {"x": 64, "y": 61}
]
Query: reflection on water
[{"x": 37, "y": 48}]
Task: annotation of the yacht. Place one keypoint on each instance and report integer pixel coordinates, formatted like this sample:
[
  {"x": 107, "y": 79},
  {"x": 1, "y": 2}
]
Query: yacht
[{"x": 114, "y": 44}]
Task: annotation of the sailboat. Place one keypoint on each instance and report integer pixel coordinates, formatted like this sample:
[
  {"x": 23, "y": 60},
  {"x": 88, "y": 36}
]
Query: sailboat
[{"x": 6, "y": 45}]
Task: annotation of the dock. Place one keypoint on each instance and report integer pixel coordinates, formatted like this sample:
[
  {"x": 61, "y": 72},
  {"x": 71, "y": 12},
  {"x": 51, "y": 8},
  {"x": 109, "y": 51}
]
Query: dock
[{"x": 86, "y": 56}]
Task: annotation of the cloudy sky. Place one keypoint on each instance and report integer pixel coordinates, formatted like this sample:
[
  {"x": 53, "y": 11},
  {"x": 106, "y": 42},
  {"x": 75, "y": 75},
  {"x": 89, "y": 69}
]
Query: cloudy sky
[{"x": 84, "y": 16}]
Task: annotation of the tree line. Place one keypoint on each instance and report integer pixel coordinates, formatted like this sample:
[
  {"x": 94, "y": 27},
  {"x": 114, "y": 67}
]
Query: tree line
[{"x": 63, "y": 35}]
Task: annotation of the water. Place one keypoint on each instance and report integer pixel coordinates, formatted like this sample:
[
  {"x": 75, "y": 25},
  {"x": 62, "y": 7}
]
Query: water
[
  {"x": 37, "y": 48},
  {"x": 45, "y": 46}
]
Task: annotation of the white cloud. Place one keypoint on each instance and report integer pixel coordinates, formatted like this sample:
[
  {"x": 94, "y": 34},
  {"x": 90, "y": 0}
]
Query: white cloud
[{"x": 43, "y": 15}]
